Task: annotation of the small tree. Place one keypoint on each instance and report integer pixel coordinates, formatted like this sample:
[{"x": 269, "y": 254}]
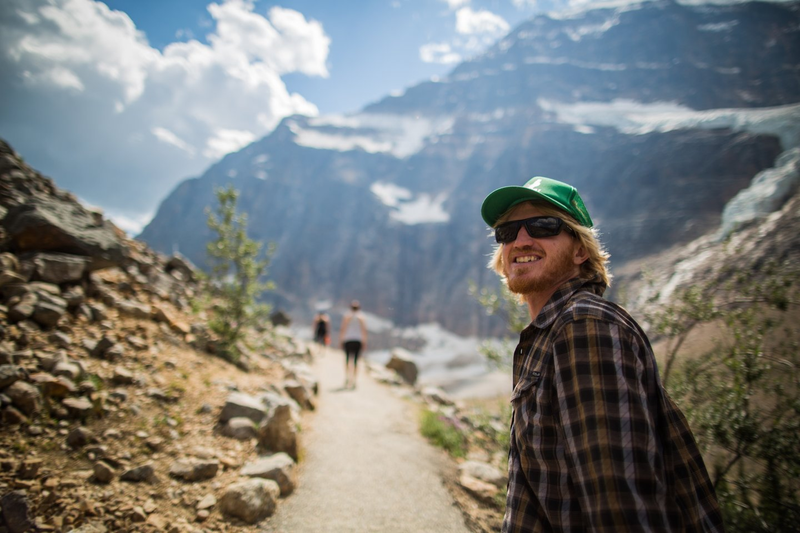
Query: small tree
[
  {"x": 742, "y": 396},
  {"x": 505, "y": 304},
  {"x": 236, "y": 274}
]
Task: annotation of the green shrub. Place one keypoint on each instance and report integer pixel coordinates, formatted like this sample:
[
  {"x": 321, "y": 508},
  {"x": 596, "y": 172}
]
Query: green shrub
[{"x": 444, "y": 432}]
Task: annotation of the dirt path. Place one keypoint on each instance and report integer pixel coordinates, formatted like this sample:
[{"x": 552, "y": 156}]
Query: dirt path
[{"x": 365, "y": 466}]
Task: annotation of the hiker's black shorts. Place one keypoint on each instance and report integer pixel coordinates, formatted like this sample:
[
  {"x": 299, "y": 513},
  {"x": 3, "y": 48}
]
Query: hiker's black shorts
[{"x": 352, "y": 348}]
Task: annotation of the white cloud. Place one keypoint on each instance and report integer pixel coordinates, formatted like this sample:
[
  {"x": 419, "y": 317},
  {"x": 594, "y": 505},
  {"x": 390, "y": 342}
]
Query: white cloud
[
  {"x": 166, "y": 136},
  {"x": 115, "y": 106},
  {"x": 441, "y": 53},
  {"x": 470, "y": 22},
  {"x": 227, "y": 141},
  {"x": 455, "y": 4}
]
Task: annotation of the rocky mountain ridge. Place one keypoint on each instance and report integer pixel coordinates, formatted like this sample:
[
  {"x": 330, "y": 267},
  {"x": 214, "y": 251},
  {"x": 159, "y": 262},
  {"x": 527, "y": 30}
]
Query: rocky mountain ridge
[
  {"x": 115, "y": 414},
  {"x": 625, "y": 103}
]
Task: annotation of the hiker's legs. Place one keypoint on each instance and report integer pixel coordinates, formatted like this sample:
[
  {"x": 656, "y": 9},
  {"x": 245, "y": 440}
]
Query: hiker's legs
[{"x": 352, "y": 349}]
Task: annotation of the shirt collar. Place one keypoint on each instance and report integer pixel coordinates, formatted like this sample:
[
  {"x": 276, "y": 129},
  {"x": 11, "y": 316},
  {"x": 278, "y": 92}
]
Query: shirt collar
[{"x": 559, "y": 299}]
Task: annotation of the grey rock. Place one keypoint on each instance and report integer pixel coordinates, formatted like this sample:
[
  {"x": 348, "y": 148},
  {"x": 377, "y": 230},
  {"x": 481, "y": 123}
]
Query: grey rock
[
  {"x": 101, "y": 347},
  {"x": 57, "y": 267},
  {"x": 194, "y": 470},
  {"x": 208, "y": 501},
  {"x": 279, "y": 432},
  {"x": 142, "y": 473},
  {"x": 484, "y": 472},
  {"x": 68, "y": 369},
  {"x": 80, "y": 408},
  {"x": 278, "y": 467},
  {"x": 60, "y": 224},
  {"x": 79, "y": 437},
  {"x": 122, "y": 376},
  {"x": 24, "y": 396},
  {"x": 251, "y": 501},
  {"x": 436, "y": 395},
  {"x": 17, "y": 512},
  {"x": 403, "y": 363},
  {"x": 134, "y": 309},
  {"x": 240, "y": 428},
  {"x": 103, "y": 473},
  {"x": 239, "y": 404},
  {"x": 47, "y": 314},
  {"x": 10, "y": 374},
  {"x": 13, "y": 416},
  {"x": 60, "y": 339},
  {"x": 299, "y": 393},
  {"x": 74, "y": 296}
]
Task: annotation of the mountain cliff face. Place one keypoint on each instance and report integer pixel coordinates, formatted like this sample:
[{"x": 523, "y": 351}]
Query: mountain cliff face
[{"x": 659, "y": 113}]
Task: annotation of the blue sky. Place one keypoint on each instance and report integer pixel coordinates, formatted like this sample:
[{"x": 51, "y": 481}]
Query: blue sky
[
  {"x": 374, "y": 44},
  {"x": 119, "y": 102}
]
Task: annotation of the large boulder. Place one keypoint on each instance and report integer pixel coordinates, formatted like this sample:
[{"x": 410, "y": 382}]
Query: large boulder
[
  {"x": 279, "y": 432},
  {"x": 58, "y": 225},
  {"x": 56, "y": 267},
  {"x": 403, "y": 363}
]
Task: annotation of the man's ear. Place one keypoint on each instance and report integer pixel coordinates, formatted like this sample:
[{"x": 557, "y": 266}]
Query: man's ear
[{"x": 581, "y": 255}]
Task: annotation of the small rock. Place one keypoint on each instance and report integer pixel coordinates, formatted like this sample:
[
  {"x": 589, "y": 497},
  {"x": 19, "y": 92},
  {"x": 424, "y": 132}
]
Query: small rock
[
  {"x": 122, "y": 376},
  {"x": 103, "y": 473},
  {"x": 138, "y": 515},
  {"x": 194, "y": 470},
  {"x": 240, "y": 428},
  {"x": 207, "y": 502},
  {"x": 24, "y": 396},
  {"x": 140, "y": 473},
  {"x": 78, "y": 407},
  {"x": 80, "y": 437}
]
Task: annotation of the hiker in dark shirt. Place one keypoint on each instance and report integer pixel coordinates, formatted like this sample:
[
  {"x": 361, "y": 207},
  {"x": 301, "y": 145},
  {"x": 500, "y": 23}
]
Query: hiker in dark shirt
[
  {"x": 596, "y": 443},
  {"x": 322, "y": 328}
]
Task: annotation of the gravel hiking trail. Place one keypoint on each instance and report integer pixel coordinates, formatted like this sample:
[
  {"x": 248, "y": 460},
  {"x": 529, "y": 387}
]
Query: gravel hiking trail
[{"x": 365, "y": 467}]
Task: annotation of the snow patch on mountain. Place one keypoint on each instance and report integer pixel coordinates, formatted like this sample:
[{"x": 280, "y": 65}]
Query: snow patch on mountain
[
  {"x": 768, "y": 190},
  {"x": 424, "y": 209},
  {"x": 767, "y": 193},
  {"x": 398, "y": 135},
  {"x": 633, "y": 117}
]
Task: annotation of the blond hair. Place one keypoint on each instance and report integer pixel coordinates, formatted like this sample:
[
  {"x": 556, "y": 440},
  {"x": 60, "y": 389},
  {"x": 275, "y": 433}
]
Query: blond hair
[{"x": 595, "y": 265}]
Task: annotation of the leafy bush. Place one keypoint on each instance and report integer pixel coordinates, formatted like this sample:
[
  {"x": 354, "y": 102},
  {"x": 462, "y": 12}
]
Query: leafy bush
[{"x": 742, "y": 396}]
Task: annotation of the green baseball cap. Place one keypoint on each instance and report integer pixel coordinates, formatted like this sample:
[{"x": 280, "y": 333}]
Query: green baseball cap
[{"x": 558, "y": 193}]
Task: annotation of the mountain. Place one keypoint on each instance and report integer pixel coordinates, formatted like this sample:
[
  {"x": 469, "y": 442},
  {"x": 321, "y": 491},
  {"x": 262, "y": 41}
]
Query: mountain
[{"x": 660, "y": 114}]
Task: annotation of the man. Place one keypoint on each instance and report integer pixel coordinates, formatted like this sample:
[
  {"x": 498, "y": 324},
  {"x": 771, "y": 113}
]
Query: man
[{"x": 596, "y": 444}]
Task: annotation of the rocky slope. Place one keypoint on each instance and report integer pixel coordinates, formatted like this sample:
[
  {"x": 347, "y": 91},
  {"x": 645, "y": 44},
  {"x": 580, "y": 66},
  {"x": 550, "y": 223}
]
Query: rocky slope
[
  {"x": 115, "y": 416},
  {"x": 657, "y": 112}
]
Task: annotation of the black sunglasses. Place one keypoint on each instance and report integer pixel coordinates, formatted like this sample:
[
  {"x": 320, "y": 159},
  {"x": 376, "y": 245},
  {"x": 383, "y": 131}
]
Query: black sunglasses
[{"x": 537, "y": 228}]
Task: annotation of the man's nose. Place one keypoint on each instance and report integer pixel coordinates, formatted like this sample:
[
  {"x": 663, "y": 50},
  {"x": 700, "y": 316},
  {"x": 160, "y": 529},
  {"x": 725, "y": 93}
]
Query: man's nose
[{"x": 522, "y": 236}]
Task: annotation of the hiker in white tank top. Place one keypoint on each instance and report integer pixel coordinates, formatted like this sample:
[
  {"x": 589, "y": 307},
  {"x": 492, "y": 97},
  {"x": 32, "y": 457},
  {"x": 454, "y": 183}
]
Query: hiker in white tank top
[{"x": 353, "y": 339}]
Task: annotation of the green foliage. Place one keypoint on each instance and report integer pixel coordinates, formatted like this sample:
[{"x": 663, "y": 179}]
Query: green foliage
[
  {"x": 742, "y": 397},
  {"x": 444, "y": 432},
  {"x": 237, "y": 270},
  {"x": 507, "y": 305}
]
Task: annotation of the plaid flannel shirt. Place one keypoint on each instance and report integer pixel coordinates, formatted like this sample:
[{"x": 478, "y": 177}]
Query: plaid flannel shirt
[{"x": 596, "y": 443}]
